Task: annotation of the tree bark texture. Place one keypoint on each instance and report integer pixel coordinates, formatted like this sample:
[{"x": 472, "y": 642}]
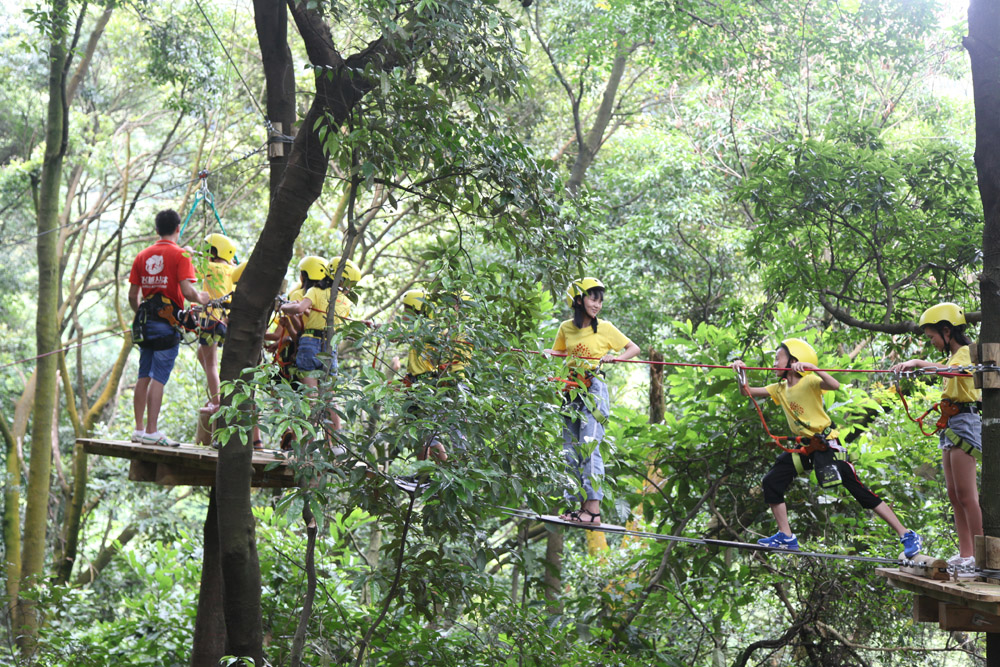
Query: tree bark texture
[
  {"x": 271, "y": 18},
  {"x": 46, "y": 330},
  {"x": 11, "y": 514},
  {"x": 337, "y": 91},
  {"x": 983, "y": 44},
  {"x": 209, "y": 643}
]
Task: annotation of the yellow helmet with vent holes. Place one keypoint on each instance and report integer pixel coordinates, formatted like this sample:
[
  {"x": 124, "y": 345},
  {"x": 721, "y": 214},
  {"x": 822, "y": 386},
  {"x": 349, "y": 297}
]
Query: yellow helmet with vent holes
[
  {"x": 580, "y": 287},
  {"x": 315, "y": 267},
  {"x": 948, "y": 312}
]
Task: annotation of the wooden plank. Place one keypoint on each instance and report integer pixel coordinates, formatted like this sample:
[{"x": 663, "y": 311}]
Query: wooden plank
[
  {"x": 978, "y": 595},
  {"x": 988, "y": 354},
  {"x": 925, "y": 609},
  {"x": 142, "y": 471},
  {"x": 188, "y": 464},
  {"x": 927, "y": 567},
  {"x": 956, "y": 617}
]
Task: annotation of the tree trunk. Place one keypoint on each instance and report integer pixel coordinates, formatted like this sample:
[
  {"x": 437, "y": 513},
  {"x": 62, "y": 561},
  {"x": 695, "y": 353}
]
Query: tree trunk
[
  {"x": 11, "y": 514},
  {"x": 271, "y": 19},
  {"x": 46, "y": 331},
  {"x": 595, "y": 137},
  {"x": 74, "y": 510},
  {"x": 553, "y": 570},
  {"x": 983, "y": 44},
  {"x": 302, "y": 183},
  {"x": 209, "y": 643}
]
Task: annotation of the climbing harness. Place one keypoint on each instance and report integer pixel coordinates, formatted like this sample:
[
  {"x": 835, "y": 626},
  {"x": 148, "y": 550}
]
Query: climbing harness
[{"x": 947, "y": 409}]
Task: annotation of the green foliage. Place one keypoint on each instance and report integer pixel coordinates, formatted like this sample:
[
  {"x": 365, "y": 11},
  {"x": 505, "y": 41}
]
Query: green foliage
[{"x": 865, "y": 228}]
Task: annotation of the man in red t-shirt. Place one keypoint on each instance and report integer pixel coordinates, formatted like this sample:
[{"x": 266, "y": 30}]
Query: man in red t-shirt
[{"x": 163, "y": 268}]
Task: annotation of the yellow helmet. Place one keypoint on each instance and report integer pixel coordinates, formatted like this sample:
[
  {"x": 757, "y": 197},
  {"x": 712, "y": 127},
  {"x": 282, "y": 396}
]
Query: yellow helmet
[
  {"x": 416, "y": 299},
  {"x": 944, "y": 312},
  {"x": 580, "y": 287},
  {"x": 315, "y": 267},
  {"x": 351, "y": 274},
  {"x": 238, "y": 272},
  {"x": 224, "y": 248},
  {"x": 802, "y": 351}
]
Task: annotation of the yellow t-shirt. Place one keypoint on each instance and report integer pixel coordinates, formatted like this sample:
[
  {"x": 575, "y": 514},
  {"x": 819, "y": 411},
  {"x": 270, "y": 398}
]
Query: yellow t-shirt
[
  {"x": 461, "y": 352},
  {"x": 218, "y": 282},
  {"x": 584, "y": 342},
  {"x": 341, "y": 309},
  {"x": 316, "y": 317},
  {"x": 961, "y": 390},
  {"x": 296, "y": 294},
  {"x": 803, "y": 405}
]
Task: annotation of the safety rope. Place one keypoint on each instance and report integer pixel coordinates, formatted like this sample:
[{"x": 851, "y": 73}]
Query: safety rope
[
  {"x": 64, "y": 349},
  {"x": 952, "y": 371},
  {"x": 204, "y": 195},
  {"x": 744, "y": 546}
]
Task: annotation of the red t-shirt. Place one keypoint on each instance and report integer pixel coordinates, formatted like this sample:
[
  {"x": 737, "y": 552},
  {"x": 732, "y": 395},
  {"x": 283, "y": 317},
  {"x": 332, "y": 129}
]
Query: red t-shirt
[{"x": 160, "y": 268}]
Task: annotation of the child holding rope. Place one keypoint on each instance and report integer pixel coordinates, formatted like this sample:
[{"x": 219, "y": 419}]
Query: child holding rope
[
  {"x": 960, "y": 435},
  {"x": 588, "y": 343},
  {"x": 799, "y": 393}
]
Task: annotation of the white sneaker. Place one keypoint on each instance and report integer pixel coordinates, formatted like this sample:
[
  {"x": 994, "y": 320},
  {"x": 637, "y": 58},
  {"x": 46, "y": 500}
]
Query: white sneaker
[{"x": 137, "y": 436}]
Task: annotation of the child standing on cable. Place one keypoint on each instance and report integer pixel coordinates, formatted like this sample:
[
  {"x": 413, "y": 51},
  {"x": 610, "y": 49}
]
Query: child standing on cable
[
  {"x": 218, "y": 282},
  {"x": 961, "y": 436},
  {"x": 588, "y": 343},
  {"x": 799, "y": 392}
]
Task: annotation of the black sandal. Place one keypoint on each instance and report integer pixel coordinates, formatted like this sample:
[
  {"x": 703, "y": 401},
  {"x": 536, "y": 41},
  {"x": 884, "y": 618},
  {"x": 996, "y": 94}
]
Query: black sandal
[{"x": 574, "y": 517}]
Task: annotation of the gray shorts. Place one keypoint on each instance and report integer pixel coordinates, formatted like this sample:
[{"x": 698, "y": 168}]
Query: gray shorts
[{"x": 967, "y": 426}]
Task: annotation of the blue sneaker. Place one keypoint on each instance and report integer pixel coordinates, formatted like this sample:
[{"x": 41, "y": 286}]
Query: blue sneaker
[
  {"x": 780, "y": 541},
  {"x": 911, "y": 543}
]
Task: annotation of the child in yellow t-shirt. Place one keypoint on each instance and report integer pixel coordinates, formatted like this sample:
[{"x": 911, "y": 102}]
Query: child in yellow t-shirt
[
  {"x": 588, "y": 343},
  {"x": 218, "y": 282},
  {"x": 799, "y": 392},
  {"x": 961, "y": 438},
  {"x": 312, "y": 307}
]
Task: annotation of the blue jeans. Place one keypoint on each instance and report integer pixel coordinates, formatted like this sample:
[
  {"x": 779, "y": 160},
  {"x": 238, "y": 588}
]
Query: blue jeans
[{"x": 584, "y": 431}]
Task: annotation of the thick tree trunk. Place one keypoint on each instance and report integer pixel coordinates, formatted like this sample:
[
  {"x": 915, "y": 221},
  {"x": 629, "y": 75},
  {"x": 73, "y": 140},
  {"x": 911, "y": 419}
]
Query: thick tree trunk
[
  {"x": 553, "y": 570},
  {"x": 210, "y": 627},
  {"x": 271, "y": 18},
  {"x": 46, "y": 332},
  {"x": 301, "y": 185},
  {"x": 983, "y": 44}
]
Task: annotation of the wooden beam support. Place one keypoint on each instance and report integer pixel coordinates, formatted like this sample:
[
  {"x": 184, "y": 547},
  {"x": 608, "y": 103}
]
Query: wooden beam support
[
  {"x": 925, "y": 609},
  {"x": 986, "y": 353},
  {"x": 957, "y": 617}
]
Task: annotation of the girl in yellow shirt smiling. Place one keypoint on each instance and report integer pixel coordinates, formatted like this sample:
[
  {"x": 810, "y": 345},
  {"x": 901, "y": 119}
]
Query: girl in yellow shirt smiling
[{"x": 588, "y": 343}]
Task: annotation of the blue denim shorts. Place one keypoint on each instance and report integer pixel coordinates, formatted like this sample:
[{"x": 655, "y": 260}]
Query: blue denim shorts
[
  {"x": 157, "y": 364},
  {"x": 307, "y": 356}
]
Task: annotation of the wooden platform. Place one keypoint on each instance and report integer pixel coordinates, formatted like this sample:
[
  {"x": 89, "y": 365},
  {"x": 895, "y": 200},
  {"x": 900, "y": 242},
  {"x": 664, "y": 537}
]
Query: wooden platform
[
  {"x": 187, "y": 465},
  {"x": 968, "y": 605}
]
